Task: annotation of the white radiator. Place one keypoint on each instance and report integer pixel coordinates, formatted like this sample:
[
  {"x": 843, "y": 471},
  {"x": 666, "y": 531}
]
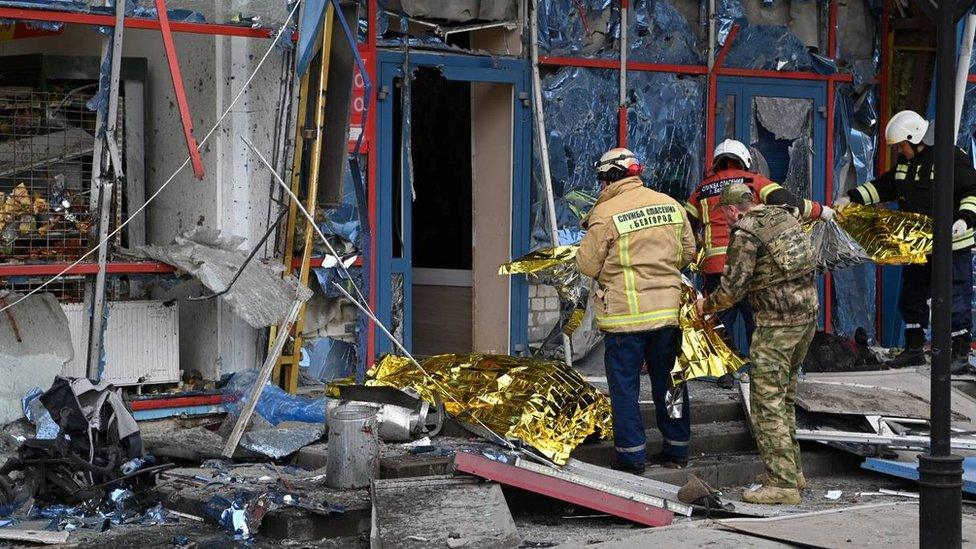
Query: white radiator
[{"x": 142, "y": 342}]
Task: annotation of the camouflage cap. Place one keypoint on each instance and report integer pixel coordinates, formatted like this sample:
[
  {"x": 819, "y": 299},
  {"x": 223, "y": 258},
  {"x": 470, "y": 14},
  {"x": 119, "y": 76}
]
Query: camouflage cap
[{"x": 734, "y": 194}]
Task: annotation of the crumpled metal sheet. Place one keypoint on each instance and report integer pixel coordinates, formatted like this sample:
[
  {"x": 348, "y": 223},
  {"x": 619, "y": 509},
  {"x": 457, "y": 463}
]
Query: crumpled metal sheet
[
  {"x": 543, "y": 403},
  {"x": 786, "y": 117},
  {"x": 580, "y": 128},
  {"x": 890, "y": 237},
  {"x": 659, "y": 33},
  {"x": 556, "y": 267},
  {"x": 703, "y": 352},
  {"x": 281, "y": 442},
  {"x": 260, "y": 296},
  {"x": 834, "y": 247}
]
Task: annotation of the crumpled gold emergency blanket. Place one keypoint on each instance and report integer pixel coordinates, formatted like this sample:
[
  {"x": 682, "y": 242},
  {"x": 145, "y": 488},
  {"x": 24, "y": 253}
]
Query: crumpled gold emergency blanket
[
  {"x": 544, "y": 403},
  {"x": 703, "y": 352},
  {"x": 889, "y": 237},
  {"x": 556, "y": 267}
]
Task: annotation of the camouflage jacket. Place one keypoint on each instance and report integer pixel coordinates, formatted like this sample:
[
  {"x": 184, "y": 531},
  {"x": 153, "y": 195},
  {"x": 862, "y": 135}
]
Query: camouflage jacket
[{"x": 770, "y": 262}]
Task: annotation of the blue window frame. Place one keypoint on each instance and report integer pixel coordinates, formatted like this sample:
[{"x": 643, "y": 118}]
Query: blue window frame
[{"x": 395, "y": 188}]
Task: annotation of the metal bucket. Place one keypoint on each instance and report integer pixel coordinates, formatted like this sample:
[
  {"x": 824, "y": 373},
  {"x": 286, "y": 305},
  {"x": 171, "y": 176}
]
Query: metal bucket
[{"x": 353, "y": 459}]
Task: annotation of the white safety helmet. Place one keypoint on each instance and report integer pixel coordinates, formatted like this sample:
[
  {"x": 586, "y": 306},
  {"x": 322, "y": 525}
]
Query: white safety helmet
[
  {"x": 906, "y": 126},
  {"x": 736, "y": 150},
  {"x": 616, "y": 164}
]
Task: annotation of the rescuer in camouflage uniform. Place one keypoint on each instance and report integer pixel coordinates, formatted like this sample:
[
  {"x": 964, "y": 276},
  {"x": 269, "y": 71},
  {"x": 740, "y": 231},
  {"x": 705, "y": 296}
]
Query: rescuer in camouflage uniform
[{"x": 771, "y": 262}]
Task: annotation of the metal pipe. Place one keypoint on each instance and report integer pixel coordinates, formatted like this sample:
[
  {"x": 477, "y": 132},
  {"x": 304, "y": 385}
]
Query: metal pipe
[
  {"x": 622, "y": 102},
  {"x": 962, "y": 70},
  {"x": 540, "y": 130},
  {"x": 940, "y": 473},
  {"x": 711, "y": 33}
]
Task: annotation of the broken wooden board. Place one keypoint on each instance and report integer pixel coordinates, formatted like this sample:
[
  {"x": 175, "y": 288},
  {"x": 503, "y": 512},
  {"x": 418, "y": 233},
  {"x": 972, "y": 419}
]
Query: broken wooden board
[
  {"x": 885, "y": 525},
  {"x": 863, "y": 400},
  {"x": 440, "y": 511},
  {"x": 577, "y": 489}
]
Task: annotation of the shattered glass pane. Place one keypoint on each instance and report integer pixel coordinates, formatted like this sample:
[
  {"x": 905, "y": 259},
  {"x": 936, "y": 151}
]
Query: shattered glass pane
[
  {"x": 855, "y": 129},
  {"x": 727, "y": 111},
  {"x": 396, "y": 283},
  {"x": 657, "y": 32},
  {"x": 580, "y": 128},
  {"x": 782, "y": 130}
]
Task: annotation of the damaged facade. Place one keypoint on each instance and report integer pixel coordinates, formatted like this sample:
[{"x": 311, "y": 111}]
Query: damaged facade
[{"x": 406, "y": 130}]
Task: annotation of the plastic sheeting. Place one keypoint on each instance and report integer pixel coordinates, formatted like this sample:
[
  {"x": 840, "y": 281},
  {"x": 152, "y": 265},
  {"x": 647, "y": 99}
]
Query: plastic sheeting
[
  {"x": 580, "y": 128},
  {"x": 274, "y": 405},
  {"x": 657, "y": 32},
  {"x": 330, "y": 359},
  {"x": 855, "y": 143}
]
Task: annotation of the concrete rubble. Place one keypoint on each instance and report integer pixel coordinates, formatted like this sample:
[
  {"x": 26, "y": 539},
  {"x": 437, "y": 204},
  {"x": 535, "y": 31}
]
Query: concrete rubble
[{"x": 432, "y": 491}]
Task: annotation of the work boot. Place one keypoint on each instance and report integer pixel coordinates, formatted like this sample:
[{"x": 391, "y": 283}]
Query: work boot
[
  {"x": 772, "y": 495},
  {"x": 726, "y": 381},
  {"x": 632, "y": 468},
  {"x": 801, "y": 481},
  {"x": 961, "y": 346},
  {"x": 667, "y": 461},
  {"x": 913, "y": 355}
]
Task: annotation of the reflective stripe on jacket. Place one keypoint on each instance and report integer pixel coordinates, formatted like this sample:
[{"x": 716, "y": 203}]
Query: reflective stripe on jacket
[
  {"x": 637, "y": 241},
  {"x": 912, "y": 182},
  {"x": 704, "y": 208}
]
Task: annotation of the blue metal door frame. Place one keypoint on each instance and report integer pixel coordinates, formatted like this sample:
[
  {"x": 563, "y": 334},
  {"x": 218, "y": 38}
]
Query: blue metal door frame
[
  {"x": 743, "y": 90},
  {"x": 461, "y": 68}
]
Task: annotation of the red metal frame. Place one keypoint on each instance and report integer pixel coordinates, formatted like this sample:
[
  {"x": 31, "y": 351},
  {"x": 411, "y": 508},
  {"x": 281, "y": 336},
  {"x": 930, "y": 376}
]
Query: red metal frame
[
  {"x": 132, "y": 22},
  {"x": 51, "y": 269},
  {"x": 612, "y": 64},
  {"x": 712, "y": 93},
  {"x": 829, "y": 196},
  {"x": 178, "y": 402},
  {"x": 173, "y": 62},
  {"x": 562, "y": 490}
]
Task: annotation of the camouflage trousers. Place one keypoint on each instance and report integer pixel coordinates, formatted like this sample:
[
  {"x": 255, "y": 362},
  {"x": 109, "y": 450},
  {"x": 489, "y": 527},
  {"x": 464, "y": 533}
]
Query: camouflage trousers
[{"x": 776, "y": 354}]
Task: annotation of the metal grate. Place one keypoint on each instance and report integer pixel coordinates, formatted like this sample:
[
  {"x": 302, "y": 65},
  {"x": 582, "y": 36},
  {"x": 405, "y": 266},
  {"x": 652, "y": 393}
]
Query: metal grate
[{"x": 46, "y": 142}]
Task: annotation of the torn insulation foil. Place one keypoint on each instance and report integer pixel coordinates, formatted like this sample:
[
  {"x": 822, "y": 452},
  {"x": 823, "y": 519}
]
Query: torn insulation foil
[
  {"x": 890, "y": 237},
  {"x": 556, "y": 267},
  {"x": 835, "y": 248},
  {"x": 703, "y": 352},
  {"x": 261, "y": 296},
  {"x": 543, "y": 403}
]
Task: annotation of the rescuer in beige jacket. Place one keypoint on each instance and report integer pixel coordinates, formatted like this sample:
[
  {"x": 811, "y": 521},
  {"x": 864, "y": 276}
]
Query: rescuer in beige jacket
[{"x": 637, "y": 241}]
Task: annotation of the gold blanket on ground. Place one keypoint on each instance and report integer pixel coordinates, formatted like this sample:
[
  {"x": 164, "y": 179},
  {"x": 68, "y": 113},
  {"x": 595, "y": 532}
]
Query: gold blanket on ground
[{"x": 544, "y": 403}]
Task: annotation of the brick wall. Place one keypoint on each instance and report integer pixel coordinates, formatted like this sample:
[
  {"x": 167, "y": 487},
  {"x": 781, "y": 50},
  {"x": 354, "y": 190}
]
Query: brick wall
[{"x": 543, "y": 311}]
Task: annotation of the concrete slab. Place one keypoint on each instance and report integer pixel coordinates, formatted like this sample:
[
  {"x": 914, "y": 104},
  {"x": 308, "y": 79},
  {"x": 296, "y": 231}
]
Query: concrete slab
[
  {"x": 833, "y": 397},
  {"x": 684, "y": 536},
  {"x": 706, "y": 439},
  {"x": 913, "y": 381},
  {"x": 885, "y": 525},
  {"x": 441, "y": 512},
  {"x": 35, "y": 344}
]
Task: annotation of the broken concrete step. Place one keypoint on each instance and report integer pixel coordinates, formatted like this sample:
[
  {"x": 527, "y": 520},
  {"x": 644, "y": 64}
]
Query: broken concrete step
[
  {"x": 721, "y": 471},
  {"x": 723, "y": 437},
  {"x": 441, "y": 511},
  {"x": 702, "y": 411}
]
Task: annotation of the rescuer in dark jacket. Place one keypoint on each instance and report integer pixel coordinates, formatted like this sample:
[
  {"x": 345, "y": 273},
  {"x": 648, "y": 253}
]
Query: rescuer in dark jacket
[{"x": 913, "y": 183}]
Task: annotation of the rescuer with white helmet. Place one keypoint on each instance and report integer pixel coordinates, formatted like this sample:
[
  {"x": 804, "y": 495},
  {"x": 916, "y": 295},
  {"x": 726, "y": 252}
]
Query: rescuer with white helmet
[{"x": 913, "y": 183}]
